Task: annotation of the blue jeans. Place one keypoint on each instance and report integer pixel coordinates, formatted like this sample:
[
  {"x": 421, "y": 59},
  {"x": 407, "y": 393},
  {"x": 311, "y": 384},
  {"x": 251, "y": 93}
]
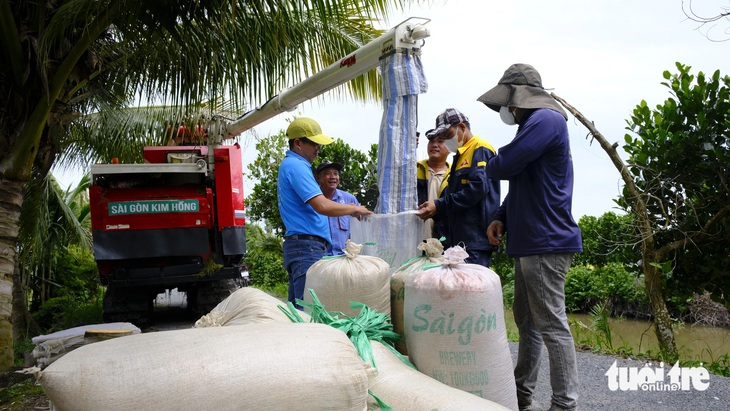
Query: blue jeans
[
  {"x": 539, "y": 310},
  {"x": 299, "y": 255}
]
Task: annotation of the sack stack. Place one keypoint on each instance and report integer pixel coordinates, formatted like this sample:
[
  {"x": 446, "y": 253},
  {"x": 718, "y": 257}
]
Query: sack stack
[
  {"x": 245, "y": 356},
  {"x": 398, "y": 385}
]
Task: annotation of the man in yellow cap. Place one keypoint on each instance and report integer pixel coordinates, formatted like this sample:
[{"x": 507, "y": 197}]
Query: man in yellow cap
[{"x": 303, "y": 207}]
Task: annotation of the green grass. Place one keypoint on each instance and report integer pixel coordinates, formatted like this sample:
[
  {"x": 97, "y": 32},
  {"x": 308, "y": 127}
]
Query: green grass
[
  {"x": 279, "y": 290},
  {"x": 19, "y": 390}
]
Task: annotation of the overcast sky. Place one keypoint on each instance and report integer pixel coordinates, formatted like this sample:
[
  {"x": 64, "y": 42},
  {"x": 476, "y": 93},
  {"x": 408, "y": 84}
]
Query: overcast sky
[{"x": 603, "y": 57}]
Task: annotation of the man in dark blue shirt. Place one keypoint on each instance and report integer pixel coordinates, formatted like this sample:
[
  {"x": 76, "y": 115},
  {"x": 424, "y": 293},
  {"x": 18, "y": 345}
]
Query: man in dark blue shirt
[
  {"x": 470, "y": 197},
  {"x": 542, "y": 235}
]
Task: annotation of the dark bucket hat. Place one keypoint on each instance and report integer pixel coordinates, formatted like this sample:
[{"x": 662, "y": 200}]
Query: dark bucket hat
[{"x": 520, "y": 86}]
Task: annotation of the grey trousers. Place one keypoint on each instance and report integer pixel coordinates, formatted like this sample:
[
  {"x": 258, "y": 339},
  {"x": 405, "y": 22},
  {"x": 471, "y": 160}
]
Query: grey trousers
[{"x": 539, "y": 310}]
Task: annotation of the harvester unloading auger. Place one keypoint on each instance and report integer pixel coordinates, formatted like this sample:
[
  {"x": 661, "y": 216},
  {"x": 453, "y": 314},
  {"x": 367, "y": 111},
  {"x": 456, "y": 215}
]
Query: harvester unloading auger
[{"x": 178, "y": 220}]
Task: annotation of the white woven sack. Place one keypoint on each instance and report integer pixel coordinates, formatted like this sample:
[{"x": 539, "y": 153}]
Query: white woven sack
[
  {"x": 246, "y": 305},
  {"x": 338, "y": 280},
  {"x": 455, "y": 330},
  {"x": 404, "y": 389},
  {"x": 50, "y": 347},
  {"x": 249, "y": 367},
  {"x": 433, "y": 250}
]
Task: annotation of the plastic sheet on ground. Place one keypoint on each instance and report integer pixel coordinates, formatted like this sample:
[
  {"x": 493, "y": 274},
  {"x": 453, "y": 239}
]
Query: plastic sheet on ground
[{"x": 50, "y": 347}]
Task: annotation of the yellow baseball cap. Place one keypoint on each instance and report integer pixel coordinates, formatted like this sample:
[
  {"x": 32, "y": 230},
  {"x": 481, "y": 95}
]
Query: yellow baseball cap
[{"x": 304, "y": 127}]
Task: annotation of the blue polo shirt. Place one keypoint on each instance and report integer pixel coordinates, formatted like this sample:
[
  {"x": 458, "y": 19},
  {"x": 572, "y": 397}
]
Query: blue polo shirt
[
  {"x": 340, "y": 226},
  {"x": 296, "y": 186}
]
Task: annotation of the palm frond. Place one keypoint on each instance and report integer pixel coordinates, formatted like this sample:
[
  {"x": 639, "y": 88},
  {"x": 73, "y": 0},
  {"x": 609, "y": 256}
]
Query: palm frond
[
  {"x": 122, "y": 133},
  {"x": 49, "y": 220}
]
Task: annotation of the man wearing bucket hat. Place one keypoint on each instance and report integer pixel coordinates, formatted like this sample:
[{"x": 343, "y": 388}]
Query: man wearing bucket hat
[
  {"x": 470, "y": 198},
  {"x": 302, "y": 206},
  {"x": 543, "y": 236},
  {"x": 327, "y": 175}
]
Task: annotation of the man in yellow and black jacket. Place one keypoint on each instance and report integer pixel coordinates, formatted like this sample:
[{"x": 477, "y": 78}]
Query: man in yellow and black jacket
[
  {"x": 470, "y": 198},
  {"x": 432, "y": 174}
]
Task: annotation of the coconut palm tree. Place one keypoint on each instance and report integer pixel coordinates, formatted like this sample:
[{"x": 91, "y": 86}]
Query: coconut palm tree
[{"x": 65, "y": 60}]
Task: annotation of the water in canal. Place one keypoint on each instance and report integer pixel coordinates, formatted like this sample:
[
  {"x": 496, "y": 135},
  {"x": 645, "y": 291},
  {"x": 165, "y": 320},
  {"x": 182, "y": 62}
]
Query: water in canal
[{"x": 694, "y": 342}]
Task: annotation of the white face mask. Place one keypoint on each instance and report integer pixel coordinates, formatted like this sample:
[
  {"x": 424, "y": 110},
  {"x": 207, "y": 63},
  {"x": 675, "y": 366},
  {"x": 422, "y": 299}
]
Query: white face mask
[
  {"x": 453, "y": 143},
  {"x": 507, "y": 116}
]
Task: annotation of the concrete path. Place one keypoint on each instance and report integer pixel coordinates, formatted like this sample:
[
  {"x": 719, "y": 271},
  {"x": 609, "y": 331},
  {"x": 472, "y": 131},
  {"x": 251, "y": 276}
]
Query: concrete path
[{"x": 595, "y": 393}]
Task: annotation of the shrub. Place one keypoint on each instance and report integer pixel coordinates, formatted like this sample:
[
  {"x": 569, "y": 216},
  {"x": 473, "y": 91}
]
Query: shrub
[
  {"x": 580, "y": 289},
  {"x": 266, "y": 269},
  {"x": 623, "y": 291},
  {"x": 505, "y": 269},
  {"x": 60, "y": 313},
  {"x": 501, "y": 264},
  {"x": 77, "y": 274},
  {"x": 508, "y": 287}
]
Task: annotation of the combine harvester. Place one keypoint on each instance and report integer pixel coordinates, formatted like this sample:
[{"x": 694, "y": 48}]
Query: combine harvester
[{"x": 177, "y": 221}]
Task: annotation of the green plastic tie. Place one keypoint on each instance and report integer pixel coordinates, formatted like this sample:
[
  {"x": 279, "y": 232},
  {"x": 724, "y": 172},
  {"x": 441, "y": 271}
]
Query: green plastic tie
[{"x": 411, "y": 259}]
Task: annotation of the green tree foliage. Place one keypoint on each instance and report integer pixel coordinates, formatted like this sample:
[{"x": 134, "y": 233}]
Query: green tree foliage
[
  {"x": 261, "y": 202},
  {"x": 680, "y": 159},
  {"x": 675, "y": 181},
  {"x": 53, "y": 222},
  {"x": 264, "y": 260},
  {"x": 608, "y": 238},
  {"x": 76, "y": 294},
  {"x": 77, "y": 275},
  {"x": 358, "y": 176}
]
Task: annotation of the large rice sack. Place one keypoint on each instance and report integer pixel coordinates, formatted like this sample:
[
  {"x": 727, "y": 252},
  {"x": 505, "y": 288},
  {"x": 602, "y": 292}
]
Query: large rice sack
[
  {"x": 455, "y": 329},
  {"x": 249, "y": 367},
  {"x": 433, "y": 252},
  {"x": 404, "y": 389},
  {"x": 247, "y": 305},
  {"x": 338, "y": 280}
]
